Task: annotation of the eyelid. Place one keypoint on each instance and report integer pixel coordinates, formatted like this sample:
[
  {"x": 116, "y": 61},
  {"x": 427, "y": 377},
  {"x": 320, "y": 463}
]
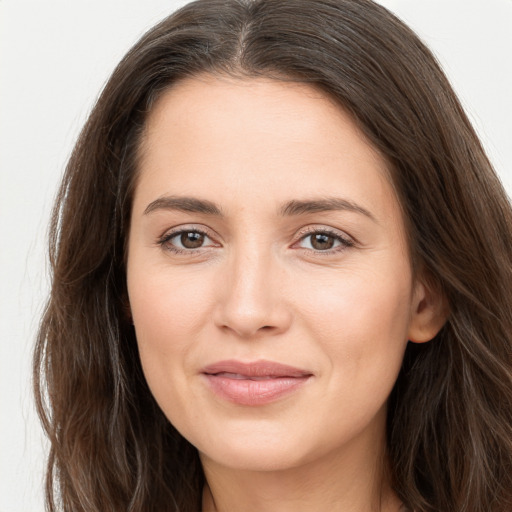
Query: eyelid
[
  {"x": 345, "y": 239},
  {"x": 185, "y": 228}
]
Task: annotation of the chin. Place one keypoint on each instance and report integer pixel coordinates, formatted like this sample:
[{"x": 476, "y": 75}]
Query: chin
[
  {"x": 263, "y": 445},
  {"x": 254, "y": 456},
  {"x": 260, "y": 446}
]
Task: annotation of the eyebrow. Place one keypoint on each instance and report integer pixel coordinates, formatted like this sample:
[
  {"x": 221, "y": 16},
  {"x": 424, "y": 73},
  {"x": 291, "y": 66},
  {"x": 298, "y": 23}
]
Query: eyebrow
[
  {"x": 302, "y": 207},
  {"x": 184, "y": 204},
  {"x": 291, "y": 208}
]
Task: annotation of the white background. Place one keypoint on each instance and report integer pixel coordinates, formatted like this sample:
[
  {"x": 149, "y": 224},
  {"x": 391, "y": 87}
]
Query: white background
[{"x": 54, "y": 58}]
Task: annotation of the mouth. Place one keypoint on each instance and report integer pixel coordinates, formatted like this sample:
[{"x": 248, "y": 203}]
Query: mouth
[{"x": 255, "y": 383}]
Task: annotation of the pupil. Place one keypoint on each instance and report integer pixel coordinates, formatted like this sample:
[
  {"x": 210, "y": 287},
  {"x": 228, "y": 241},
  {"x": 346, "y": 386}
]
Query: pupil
[
  {"x": 322, "y": 242},
  {"x": 192, "y": 240}
]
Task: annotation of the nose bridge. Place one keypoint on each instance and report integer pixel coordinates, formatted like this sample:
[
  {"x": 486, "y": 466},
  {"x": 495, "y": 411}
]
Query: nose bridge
[{"x": 251, "y": 299}]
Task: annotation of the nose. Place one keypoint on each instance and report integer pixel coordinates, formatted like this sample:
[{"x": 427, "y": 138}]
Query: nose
[{"x": 251, "y": 301}]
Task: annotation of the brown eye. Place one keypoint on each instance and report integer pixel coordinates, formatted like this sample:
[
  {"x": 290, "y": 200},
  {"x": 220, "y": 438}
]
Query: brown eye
[
  {"x": 192, "y": 239},
  {"x": 322, "y": 241},
  {"x": 186, "y": 240}
]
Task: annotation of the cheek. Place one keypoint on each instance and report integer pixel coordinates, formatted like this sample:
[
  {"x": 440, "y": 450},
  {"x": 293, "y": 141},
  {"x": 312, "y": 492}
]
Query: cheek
[
  {"x": 169, "y": 311},
  {"x": 167, "y": 306},
  {"x": 358, "y": 299},
  {"x": 361, "y": 320}
]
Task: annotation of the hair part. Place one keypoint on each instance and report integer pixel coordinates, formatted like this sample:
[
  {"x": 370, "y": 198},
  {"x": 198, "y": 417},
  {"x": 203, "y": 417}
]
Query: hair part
[{"x": 450, "y": 413}]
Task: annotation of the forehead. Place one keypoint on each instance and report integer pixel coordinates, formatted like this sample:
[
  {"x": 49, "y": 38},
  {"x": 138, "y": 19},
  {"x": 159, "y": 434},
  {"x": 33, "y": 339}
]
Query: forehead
[
  {"x": 209, "y": 134},
  {"x": 258, "y": 108}
]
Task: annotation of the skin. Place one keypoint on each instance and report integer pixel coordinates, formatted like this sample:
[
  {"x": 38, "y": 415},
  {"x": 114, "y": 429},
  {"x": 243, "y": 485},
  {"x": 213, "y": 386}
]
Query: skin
[{"x": 256, "y": 288}]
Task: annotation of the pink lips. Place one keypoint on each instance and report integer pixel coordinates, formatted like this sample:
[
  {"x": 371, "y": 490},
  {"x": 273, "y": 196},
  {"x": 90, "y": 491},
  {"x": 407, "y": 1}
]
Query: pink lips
[{"x": 256, "y": 383}]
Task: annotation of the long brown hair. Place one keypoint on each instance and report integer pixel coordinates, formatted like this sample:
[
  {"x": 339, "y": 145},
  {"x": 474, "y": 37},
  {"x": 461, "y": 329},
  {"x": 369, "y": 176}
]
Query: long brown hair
[{"x": 450, "y": 413}]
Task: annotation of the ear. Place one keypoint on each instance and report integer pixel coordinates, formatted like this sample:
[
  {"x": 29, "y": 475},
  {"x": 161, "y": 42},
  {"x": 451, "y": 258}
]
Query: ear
[{"x": 429, "y": 310}]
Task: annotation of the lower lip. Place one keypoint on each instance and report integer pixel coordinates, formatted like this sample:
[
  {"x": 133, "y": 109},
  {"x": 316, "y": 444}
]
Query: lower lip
[{"x": 254, "y": 392}]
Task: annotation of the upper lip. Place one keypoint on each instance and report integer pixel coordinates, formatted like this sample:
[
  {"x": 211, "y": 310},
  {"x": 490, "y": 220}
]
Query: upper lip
[{"x": 260, "y": 368}]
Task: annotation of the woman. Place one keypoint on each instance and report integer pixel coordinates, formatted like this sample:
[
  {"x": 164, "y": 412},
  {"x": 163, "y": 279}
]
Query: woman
[{"x": 282, "y": 268}]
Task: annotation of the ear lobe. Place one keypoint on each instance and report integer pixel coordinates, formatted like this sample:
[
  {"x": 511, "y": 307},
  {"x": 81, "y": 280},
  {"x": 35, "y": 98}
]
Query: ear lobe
[{"x": 429, "y": 311}]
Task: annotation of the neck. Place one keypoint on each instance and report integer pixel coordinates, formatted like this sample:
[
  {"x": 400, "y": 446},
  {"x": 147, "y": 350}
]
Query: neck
[{"x": 352, "y": 479}]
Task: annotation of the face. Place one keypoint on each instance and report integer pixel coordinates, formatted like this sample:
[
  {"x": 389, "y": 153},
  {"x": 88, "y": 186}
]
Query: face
[{"x": 268, "y": 273}]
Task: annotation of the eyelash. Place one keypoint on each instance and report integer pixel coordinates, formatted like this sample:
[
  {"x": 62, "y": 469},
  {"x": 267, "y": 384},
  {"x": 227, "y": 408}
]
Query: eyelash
[
  {"x": 164, "y": 241},
  {"x": 344, "y": 242}
]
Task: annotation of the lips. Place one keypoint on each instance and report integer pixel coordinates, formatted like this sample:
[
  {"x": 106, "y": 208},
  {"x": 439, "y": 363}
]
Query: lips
[{"x": 255, "y": 383}]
